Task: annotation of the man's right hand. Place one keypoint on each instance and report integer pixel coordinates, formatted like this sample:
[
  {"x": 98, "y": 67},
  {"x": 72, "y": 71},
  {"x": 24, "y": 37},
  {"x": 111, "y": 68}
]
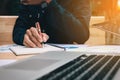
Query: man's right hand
[{"x": 32, "y": 38}]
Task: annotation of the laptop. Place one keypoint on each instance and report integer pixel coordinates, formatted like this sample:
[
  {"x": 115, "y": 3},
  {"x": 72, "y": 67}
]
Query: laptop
[{"x": 64, "y": 66}]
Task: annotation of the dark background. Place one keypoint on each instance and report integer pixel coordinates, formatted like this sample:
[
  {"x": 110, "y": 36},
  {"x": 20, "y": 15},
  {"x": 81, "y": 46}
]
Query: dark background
[{"x": 9, "y": 7}]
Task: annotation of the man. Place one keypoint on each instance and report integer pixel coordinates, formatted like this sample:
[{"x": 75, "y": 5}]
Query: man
[{"x": 64, "y": 21}]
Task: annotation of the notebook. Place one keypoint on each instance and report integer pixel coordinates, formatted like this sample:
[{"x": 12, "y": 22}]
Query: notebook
[
  {"x": 63, "y": 65},
  {"x": 23, "y": 50}
]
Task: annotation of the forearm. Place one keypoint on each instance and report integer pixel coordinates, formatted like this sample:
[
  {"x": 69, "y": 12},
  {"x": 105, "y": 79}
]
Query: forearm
[
  {"x": 19, "y": 32},
  {"x": 80, "y": 9},
  {"x": 29, "y": 15},
  {"x": 72, "y": 26},
  {"x": 21, "y": 25}
]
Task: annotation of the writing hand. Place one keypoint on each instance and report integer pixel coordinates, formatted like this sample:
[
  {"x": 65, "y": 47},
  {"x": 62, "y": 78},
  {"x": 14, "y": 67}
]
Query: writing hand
[
  {"x": 44, "y": 36},
  {"x": 32, "y": 38}
]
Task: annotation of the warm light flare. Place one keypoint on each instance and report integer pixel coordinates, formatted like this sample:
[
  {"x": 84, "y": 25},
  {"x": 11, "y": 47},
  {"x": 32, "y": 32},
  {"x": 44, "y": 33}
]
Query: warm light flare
[{"x": 119, "y": 4}]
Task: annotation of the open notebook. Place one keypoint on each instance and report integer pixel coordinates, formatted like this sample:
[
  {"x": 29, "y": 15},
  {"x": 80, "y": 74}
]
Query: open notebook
[{"x": 22, "y": 50}]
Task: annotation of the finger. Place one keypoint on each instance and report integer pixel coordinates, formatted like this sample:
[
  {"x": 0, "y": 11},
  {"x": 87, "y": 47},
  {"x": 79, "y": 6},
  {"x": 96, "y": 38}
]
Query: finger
[
  {"x": 48, "y": 1},
  {"x": 25, "y": 44},
  {"x": 75, "y": 43},
  {"x": 39, "y": 29},
  {"x": 28, "y": 42},
  {"x": 37, "y": 24},
  {"x": 33, "y": 39},
  {"x": 45, "y": 37},
  {"x": 29, "y": 33},
  {"x": 36, "y": 34}
]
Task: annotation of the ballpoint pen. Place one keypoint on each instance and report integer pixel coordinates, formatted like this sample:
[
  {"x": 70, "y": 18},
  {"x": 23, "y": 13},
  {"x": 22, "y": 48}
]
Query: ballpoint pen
[
  {"x": 63, "y": 46},
  {"x": 39, "y": 31}
]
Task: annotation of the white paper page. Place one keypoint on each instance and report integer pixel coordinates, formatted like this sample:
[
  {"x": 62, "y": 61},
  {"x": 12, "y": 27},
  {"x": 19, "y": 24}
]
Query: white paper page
[
  {"x": 20, "y": 50},
  {"x": 6, "y": 62},
  {"x": 5, "y": 48}
]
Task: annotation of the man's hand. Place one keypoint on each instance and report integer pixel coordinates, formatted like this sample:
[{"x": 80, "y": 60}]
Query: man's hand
[{"x": 33, "y": 38}]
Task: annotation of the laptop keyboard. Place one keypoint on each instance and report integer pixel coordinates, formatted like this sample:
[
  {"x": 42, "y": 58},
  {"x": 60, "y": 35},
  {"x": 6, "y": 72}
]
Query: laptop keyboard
[{"x": 93, "y": 67}]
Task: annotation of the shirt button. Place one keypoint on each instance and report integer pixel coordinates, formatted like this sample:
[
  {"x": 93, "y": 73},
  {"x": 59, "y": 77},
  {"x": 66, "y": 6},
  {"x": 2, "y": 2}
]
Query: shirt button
[
  {"x": 43, "y": 11},
  {"x": 30, "y": 16}
]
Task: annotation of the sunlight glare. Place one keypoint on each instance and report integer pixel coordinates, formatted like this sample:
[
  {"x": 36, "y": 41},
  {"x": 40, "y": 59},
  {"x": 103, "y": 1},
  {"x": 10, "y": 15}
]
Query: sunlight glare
[{"x": 119, "y": 4}]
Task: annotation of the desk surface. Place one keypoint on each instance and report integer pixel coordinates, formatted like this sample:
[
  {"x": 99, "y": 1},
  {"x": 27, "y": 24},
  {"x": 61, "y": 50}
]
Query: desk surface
[
  {"x": 10, "y": 55},
  {"x": 110, "y": 27}
]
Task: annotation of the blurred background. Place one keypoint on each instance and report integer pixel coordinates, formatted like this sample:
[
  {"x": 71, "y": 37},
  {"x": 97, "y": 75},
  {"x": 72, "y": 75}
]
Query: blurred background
[
  {"x": 9, "y": 7},
  {"x": 98, "y": 7},
  {"x": 102, "y": 11}
]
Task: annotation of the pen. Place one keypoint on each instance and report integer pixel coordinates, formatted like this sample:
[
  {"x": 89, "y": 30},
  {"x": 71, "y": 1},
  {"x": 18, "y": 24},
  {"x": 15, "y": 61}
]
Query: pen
[
  {"x": 71, "y": 47},
  {"x": 39, "y": 31},
  {"x": 63, "y": 47},
  {"x": 56, "y": 46}
]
